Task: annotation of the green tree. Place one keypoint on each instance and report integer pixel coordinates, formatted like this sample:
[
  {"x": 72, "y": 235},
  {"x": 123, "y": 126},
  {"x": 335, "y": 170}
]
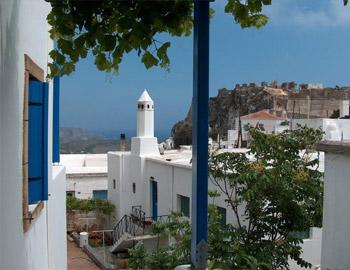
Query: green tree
[
  {"x": 277, "y": 192},
  {"x": 110, "y": 29},
  {"x": 272, "y": 195}
]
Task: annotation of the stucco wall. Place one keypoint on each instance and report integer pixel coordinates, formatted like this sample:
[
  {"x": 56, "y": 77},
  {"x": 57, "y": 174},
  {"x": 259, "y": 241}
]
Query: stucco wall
[
  {"x": 56, "y": 207},
  {"x": 23, "y": 29},
  {"x": 311, "y": 250},
  {"x": 114, "y": 173},
  {"x": 335, "y": 236},
  {"x": 269, "y": 124},
  {"x": 85, "y": 173},
  {"x": 84, "y": 185},
  {"x": 174, "y": 180},
  {"x": 126, "y": 169},
  {"x": 327, "y": 125}
]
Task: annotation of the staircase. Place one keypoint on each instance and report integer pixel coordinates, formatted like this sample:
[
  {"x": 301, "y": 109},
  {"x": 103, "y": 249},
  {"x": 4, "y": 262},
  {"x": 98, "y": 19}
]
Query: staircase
[{"x": 130, "y": 230}]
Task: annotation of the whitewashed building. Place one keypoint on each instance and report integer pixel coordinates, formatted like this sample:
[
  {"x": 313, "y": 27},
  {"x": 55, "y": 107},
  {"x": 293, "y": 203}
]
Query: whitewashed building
[
  {"x": 161, "y": 183},
  {"x": 32, "y": 187},
  {"x": 334, "y": 129},
  {"x": 86, "y": 175},
  {"x": 336, "y": 210}
]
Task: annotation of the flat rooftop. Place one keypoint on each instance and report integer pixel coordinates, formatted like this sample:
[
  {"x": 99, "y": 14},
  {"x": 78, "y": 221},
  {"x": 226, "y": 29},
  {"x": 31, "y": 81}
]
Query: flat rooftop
[
  {"x": 182, "y": 158},
  {"x": 84, "y": 164}
]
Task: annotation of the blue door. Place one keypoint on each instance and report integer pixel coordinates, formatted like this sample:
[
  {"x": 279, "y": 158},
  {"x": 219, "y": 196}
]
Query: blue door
[{"x": 154, "y": 199}]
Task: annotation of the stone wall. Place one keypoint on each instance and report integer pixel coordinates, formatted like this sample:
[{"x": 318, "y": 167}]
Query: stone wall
[
  {"x": 79, "y": 220},
  {"x": 228, "y": 105}
]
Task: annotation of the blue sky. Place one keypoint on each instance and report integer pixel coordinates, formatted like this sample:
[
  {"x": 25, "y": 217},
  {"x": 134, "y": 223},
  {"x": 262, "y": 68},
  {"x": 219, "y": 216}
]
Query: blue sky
[{"x": 304, "y": 41}]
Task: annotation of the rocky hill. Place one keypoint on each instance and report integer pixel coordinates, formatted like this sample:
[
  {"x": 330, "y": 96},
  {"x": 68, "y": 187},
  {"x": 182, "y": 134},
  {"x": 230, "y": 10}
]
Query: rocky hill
[
  {"x": 79, "y": 141},
  {"x": 298, "y": 101}
]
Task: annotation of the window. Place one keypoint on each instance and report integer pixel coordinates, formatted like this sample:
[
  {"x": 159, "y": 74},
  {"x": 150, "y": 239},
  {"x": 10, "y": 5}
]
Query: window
[
  {"x": 134, "y": 188},
  {"x": 114, "y": 184},
  {"x": 70, "y": 194},
  {"x": 100, "y": 194},
  {"x": 184, "y": 205},
  {"x": 301, "y": 234},
  {"x": 147, "y": 106},
  {"x": 222, "y": 212},
  {"x": 35, "y": 142},
  {"x": 142, "y": 106}
]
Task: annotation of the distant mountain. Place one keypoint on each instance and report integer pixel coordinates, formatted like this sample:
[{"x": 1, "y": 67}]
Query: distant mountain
[
  {"x": 73, "y": 134},
  {"x": 79, "y": 141}
]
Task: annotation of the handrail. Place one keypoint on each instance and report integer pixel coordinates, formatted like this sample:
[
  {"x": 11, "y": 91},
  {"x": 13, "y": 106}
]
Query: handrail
[
  {"x": 132, "y": 224},
  {"x": 125, "y": 225},
  {"x": 138, "y": 215},
  {"x": 129, "y": 224}
]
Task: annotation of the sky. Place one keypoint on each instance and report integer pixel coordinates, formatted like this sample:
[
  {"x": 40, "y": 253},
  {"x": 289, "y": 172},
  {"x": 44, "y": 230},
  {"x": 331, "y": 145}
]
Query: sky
[{"x": 304, "y": 41}]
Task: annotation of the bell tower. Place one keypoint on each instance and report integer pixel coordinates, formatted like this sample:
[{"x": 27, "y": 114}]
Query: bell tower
[{"x": 145, "y": 143}]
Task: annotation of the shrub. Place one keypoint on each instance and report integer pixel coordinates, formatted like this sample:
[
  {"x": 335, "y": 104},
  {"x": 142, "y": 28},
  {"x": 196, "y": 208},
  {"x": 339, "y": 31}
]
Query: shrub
[{"x": 103, "y": 206}]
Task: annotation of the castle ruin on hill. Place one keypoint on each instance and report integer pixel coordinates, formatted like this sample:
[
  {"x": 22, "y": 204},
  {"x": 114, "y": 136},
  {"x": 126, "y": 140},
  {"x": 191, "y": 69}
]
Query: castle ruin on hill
[{"x": 294, "y": 100}]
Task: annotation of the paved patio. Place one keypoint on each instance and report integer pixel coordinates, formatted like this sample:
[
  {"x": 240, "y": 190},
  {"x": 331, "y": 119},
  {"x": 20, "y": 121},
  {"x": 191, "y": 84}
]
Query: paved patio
[{"x": 77, "y": 259}]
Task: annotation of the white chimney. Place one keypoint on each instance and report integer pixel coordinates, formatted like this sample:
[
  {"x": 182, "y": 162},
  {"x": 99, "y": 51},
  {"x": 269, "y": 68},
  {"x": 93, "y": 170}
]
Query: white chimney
[
  {"x": 145, "y": 143},
  {"x": 145, "y": 116}
]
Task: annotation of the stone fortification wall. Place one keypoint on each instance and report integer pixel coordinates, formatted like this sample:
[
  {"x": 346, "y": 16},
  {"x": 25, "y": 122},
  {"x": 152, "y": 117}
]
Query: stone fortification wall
[{"x": 300, "y": 101}]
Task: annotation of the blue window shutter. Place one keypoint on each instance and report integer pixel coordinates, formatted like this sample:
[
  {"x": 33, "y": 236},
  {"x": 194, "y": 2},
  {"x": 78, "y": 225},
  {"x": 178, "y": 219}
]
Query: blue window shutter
[
  {"x": 56, "y": 121},
  {"x": 37, "y": 142},
  {"x": 100, "y": 194}
]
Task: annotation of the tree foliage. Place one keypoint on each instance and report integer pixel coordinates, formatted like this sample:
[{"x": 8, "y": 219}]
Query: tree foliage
[
  {"x": 277, "y": 192},
  {"x": 165, "y": 258},
  {"x": 271, "y": 195},
  {"x": 110, "y": 29}
]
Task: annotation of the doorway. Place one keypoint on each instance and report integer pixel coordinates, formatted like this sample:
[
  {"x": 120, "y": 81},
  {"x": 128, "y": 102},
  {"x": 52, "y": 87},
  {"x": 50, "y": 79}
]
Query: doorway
[{"x": 154, "y": 199}]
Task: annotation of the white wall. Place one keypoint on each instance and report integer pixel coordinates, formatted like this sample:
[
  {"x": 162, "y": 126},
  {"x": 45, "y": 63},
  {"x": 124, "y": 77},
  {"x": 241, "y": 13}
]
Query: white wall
[
  {"x": 336, "y": 213},
  {"x": 84, "y": 185},
  {"x": 335, "y": 129},
  {"x": 114, "y": 173},
  {"x": 344, "y": 126},
  {"x": 311, "y": 250},
  {"x": 23, "y": 29},
  {"x": 269, "y": 124},
  {"x": 85, "y": 173},
  {"x": 126, "y": 169},
  {"x": 57, "y": 235},
  {"x": 173, "y": 180}
]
